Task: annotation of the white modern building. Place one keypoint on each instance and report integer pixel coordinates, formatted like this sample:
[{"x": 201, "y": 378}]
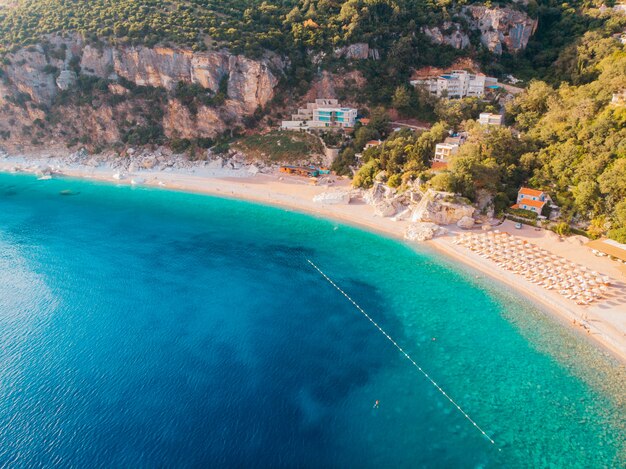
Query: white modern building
[
  {"x": 457, "y": 84},
  {"x": 443, "y": 152},
  {"x": 321, "y": 114},
  {"x": 487, "y": 118}
]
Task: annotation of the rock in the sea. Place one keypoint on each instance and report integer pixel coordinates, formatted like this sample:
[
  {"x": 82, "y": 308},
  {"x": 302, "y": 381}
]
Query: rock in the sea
[
  {"x": 332, "y": 198},
  {"x": 423, "y": 231},
  {"x": 466, "y": 223}
]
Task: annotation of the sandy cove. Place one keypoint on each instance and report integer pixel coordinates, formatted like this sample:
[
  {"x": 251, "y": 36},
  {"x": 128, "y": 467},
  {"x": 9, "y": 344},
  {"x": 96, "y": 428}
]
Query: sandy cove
[{"x": 603, "y": 322}]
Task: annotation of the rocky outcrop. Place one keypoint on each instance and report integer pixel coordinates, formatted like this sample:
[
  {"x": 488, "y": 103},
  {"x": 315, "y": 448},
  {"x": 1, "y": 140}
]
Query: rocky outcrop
[
  {"x": 441, "y": 208},
  {"x": 385, "y": 200},
  {"x": 466, "y": 223},
  {"x": 332, "y": 198},
  {"x": 66, "y": 79},
  {"x": 448, "y": 33},
  {"x": 423, "y": 231},
  {"x": 29, "y": 75},
  {"x": 358, "y": 51},
  {"x": 34, "y": 76},
  {"x": 501, "y": 28},
  {"x": 250, "y": 82}
]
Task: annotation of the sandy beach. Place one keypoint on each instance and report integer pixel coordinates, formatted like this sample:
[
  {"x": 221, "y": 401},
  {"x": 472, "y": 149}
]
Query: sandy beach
[{"x": 603, "y": 322}]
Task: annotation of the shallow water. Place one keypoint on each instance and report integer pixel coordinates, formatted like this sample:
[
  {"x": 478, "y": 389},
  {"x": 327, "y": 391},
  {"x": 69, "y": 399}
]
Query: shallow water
[{"x": 141, "y": 327}]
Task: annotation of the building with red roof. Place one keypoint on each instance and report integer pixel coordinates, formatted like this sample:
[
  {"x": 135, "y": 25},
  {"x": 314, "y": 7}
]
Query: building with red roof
[{"x": 532, "y": 199}]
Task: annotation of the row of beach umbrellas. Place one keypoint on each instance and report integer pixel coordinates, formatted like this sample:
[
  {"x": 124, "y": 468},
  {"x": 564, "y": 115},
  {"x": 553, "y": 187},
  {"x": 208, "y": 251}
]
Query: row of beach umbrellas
[{"x": 538, "y": 266}]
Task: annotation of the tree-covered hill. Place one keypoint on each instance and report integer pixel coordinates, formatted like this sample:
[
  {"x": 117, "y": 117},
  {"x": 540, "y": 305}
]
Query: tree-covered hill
[
  {"x": 242, "y": 25},
  {"x": 569, "y": 140}
]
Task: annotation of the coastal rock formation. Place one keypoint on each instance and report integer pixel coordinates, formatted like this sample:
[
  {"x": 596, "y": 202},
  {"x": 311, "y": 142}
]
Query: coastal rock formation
[
  {"x": 501, "y": 27},
  {"x": 441, "y": 208},
  {"x": 448, "y": 33},
  {"x": 332, "y": 198},
  {"x": 43, "y": 77},
  {"x": 385, "y": 200},
  {"x": 423, "y": 231},
  {"x": 466, "y": 223}
]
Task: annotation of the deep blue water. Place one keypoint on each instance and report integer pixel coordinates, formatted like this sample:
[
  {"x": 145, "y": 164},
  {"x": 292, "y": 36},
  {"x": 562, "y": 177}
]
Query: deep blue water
[{"x": 144, "y": 328}]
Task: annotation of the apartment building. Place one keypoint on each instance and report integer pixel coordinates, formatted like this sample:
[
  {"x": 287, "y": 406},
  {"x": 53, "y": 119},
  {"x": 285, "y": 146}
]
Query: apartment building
[{"x": 457, "y": 84}]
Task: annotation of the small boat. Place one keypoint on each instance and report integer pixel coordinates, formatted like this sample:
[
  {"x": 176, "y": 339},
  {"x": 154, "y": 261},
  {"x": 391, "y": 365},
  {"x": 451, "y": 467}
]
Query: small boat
[{"x": 45, "y": 177}]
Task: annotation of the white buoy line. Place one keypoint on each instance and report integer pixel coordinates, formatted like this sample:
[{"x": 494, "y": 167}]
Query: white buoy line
[{"x": 406, "y": 355}]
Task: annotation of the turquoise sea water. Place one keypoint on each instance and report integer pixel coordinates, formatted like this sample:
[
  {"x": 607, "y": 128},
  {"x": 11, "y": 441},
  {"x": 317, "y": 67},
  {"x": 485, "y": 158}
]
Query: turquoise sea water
[{"x": 144, "y": 328}]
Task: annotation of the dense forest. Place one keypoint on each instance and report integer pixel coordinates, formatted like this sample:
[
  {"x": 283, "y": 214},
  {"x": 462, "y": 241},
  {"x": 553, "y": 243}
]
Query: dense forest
[{"x": 241, "y": 25}]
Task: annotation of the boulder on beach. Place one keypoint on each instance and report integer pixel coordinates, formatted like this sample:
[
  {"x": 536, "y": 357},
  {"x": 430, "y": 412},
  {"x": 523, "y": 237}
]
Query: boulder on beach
[
  {"x": 385, "y": 208},
  {"x": 149, "y": 162},
  {"x": 465, "y": 223},
  {"x": 423, "y": 231},
  {"x": 217, "y": 163},
  {"x": 441, "y": 208},
  {"x": 332, "y": 198}
]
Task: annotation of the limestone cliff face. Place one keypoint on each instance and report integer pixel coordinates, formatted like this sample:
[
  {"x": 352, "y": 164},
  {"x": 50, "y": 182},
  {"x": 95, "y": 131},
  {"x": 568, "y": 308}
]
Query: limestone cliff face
[
  {"x": 449, "y": 33},
  {"x": 251, "y": 83},
  {"x": 501, "y": 27},
  {"x": 34, "y": 77}
]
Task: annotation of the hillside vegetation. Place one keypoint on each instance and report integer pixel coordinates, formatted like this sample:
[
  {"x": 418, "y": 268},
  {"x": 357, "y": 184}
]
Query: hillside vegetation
[
  {"x": 569, "y": 140},
  {"x": 240, "y": 24},
  {"x": 281, "y": 147}
]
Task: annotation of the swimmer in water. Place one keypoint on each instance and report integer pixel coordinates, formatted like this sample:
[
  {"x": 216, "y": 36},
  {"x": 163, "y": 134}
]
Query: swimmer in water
[{"x": 376, "y": 405}]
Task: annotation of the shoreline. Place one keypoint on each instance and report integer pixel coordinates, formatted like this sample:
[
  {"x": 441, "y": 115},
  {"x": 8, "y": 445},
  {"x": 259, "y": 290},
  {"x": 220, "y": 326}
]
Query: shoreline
[{"x": 292, "y": 193}]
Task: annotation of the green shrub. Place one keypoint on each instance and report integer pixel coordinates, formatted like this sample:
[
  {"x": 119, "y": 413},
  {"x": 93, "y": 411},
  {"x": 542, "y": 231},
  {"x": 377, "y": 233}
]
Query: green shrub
[
  {"x": 364, "y": 178},
  {"x": 562, "y": 229},
  {"x": 520, "y": 212},
  {"x": 618, "y": 234},
  {"x": 394, "y": 180}
]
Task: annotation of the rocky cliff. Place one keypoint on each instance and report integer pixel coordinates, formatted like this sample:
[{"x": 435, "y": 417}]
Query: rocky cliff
[
  {"x": 34, "y": 80},
  {"x": 499, "y": 29}
]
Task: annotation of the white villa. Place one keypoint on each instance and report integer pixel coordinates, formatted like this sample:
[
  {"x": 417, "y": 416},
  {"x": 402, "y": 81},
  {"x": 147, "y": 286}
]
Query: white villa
[
  {"x": 487, "y": 118},
  {"x": 443, "y": 152},
  {"x": 321, "y": 114},
  {"x": 457, "y": 84}
]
